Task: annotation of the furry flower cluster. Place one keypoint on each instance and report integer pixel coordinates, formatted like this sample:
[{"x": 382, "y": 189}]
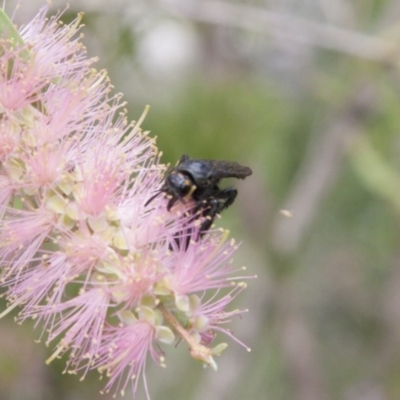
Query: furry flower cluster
[{"x": 100, "y": 271}]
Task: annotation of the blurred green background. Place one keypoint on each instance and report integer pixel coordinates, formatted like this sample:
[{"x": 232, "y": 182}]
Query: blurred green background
[{"x": 306, "y": 93}]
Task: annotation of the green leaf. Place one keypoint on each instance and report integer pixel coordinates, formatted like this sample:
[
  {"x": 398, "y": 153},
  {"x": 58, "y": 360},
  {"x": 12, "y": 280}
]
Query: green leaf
[{"x": 8, "y": 29}]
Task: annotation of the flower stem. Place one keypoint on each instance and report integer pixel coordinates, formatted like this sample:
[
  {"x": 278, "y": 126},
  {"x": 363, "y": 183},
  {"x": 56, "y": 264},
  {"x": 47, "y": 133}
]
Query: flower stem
[{"x": 197, "y": 350}]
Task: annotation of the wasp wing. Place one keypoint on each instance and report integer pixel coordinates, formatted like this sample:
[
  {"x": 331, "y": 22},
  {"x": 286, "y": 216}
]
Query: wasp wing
[{"x": 228, "y": 169}]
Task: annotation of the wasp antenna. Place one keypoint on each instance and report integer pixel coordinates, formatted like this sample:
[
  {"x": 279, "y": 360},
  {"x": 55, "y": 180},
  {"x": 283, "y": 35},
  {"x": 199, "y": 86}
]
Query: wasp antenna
[
  {"x": 184, "y": 157},
  {"x": 152, "y": 198}
]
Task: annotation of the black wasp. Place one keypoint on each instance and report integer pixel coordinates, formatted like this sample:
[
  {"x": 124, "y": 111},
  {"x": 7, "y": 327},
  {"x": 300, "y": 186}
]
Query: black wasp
[{"x": 198, "y": 180}]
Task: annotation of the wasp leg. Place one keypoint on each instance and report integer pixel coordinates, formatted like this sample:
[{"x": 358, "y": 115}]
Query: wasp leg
[
  {"x": 211, "y": 203},
  {"x": 225, "y": 198},
  {"x": 215, "y": 205},
  {"x": 171, "y": 202},
  {"x": 181, "y": 239},
  {"x": 220, "y": 200}
]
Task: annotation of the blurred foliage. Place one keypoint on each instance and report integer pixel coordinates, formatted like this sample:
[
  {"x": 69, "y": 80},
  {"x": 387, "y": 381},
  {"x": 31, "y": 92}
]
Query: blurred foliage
[{"x": 321, "y": 130}]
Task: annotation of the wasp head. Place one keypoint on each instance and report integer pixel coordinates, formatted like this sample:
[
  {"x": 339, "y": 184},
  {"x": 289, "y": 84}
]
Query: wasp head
[{"x": 179, "y": 186}]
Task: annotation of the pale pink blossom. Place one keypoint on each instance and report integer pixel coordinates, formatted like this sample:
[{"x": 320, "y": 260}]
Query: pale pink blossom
[
  {"x": 124, "y": 354},
  {"x": 108, "y": 278}
]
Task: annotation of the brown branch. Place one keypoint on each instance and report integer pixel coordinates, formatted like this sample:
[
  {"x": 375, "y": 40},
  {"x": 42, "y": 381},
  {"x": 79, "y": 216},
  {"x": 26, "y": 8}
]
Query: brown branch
[{"x": 288, "y": 27}]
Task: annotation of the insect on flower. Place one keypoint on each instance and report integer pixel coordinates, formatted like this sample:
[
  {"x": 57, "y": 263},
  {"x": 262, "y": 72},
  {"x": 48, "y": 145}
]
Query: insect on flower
[
  {"x": 197, "y": 180},
  {"x": 80, "y": 252}
]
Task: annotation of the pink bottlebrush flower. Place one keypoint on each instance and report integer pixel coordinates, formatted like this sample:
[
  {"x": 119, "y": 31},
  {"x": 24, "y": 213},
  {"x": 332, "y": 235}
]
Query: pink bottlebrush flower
[
  {"x": 22, "y": 233},
  {"x": 206, "y": 267},
  {"x": 6, "y": 192},
  {"x": 80, "y": 321},
  {"x": 108, "y": 277},
  {"x": 124, "y": 352},
  {"x": 209, "y": 316}
]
